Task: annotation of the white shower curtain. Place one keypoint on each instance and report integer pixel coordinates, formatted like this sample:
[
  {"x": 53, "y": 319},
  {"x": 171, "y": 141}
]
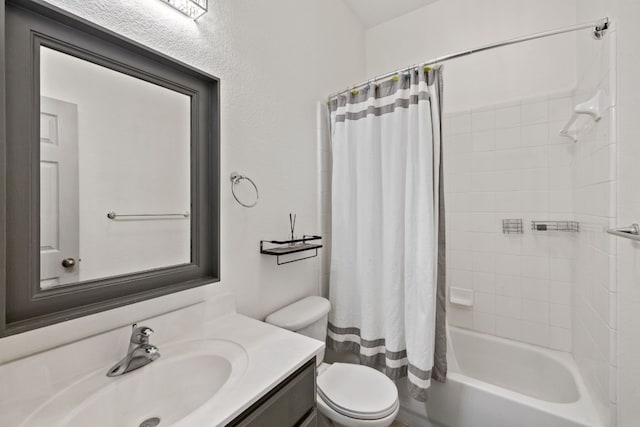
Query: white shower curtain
[{"x": 386, "y": 227}]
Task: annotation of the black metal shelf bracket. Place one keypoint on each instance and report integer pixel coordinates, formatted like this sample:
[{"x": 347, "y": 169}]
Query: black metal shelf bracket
[{"x": 292, "y": 247}]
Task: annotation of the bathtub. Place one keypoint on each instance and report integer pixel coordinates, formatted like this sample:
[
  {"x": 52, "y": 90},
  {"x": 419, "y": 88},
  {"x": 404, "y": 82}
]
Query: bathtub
[{"x": 495, "y": 382}]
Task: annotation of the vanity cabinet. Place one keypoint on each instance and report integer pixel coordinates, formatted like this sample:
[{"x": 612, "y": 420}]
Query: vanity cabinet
[{"x": 291, "y": 403}]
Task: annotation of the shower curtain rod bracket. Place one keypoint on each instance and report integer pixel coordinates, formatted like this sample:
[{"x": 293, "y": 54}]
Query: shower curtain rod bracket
[{"x": 601, "y": 30}]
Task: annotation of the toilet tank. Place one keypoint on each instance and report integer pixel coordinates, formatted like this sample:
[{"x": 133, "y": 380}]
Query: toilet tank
[{"x": 307, "y": 317}]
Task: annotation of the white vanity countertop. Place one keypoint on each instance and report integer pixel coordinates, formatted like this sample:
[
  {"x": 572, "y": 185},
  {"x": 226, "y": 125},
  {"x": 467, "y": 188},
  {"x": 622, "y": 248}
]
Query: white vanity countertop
[{"x": 272, "y": 355}]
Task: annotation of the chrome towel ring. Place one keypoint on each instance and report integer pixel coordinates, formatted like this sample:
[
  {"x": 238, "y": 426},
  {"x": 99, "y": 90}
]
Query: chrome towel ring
[{"x": 235, "y": 179}]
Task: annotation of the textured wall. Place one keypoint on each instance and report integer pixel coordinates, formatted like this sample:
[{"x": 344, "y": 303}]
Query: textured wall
[{"x": 276, "y": 59}]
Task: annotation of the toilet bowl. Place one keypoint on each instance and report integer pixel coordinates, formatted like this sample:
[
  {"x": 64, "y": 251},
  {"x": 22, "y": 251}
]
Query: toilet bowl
[{"x": 349, "y": 395}]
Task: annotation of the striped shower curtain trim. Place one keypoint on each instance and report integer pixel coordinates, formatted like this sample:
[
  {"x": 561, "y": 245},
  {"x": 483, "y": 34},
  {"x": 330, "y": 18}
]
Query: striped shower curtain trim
[{"x": 375, "y": 354}]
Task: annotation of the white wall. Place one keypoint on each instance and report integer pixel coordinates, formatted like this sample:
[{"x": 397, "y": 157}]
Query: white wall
[
  {"x": 487, "y": 78},
  {"x": 134, "y": 156},
  {"x": 276, "y": 59}
]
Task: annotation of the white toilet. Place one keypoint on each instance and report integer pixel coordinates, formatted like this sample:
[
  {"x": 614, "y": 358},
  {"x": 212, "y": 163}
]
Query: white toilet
[{"x": 348, "y": 395}]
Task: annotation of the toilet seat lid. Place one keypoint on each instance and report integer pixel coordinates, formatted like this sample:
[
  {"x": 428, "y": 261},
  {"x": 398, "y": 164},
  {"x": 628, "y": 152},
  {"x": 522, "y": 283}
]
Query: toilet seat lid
[{"x": 357, "y": 391}]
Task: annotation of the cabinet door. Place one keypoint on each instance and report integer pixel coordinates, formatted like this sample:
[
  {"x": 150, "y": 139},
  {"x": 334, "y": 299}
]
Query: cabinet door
[
  {"x": 291, "y": 403},
  {"x": 311, "y": 420}
]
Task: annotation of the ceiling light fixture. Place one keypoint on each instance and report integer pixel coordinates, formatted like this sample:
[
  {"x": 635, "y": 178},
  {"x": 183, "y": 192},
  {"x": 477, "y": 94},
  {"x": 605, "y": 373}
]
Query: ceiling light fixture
[{"x": 194, "y": 9}]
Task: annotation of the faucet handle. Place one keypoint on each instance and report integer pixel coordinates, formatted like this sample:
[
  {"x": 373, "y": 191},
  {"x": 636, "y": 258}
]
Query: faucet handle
[
  {"x": 152, "y": 350},
  {"x": 141, "y": 334}
]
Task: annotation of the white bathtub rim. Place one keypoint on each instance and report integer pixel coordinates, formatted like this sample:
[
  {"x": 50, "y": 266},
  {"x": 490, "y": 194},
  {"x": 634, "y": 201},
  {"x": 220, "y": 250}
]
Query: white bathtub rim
[
  {"x": 578, "y": 411},
  {"x": 581, "y": 410}
]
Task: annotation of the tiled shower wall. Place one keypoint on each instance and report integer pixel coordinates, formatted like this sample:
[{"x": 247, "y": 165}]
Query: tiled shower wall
[{"x": 503, "y": 162}]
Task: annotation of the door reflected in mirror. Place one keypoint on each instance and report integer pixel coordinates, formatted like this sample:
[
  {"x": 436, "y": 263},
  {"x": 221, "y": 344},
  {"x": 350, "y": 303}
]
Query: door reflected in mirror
[{"x": 110, "y": 142}]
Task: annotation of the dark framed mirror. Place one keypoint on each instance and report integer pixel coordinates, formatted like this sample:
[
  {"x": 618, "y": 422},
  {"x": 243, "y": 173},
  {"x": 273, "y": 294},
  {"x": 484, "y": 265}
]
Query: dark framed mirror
[{"x": 111, "y": 170}]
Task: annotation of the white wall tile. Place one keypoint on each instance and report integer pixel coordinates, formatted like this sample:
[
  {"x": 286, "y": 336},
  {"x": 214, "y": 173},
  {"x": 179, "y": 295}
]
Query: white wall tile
[
  {"x": 535, "y": 267},
  {"x": 508, "y": 265},
  {"x": 461, "y": 317},
  {"x": 508, "y": 116},
  {"x": 560, "y": 108},
  {"x": 535, "y": 112},
  {"x": 507, "y": 160},
  {"x": 483, "y": 241},
  {"x": 460, "y": 259},
  {"x": 560, "y": 338},
  {"x": 535, "y": 333},
  {"x": 460, "y": 278},
  {"x": 535, "y": 179},
  {"x": 460, "y": 123},
  {"x": 484, "y": 282},
  {"x": 483, "y": 201},
  {"x": 508, "y": 328},
  {"x": 561, "y": 154},
  {"x": 535, "y": 289},
  {"x": 560, "y": 178},
  {"x": 508, "y": 201},
  {"x": 483, "y": 302},
  {"x": 535, "y": 135},
  {"x": 560, "y": 316},
  {"x": 484, "y": 262},
  {"x": 535, "y": 157},
  {"x": 535, "y": 311},
  {"x": 482, "y": 162},
  {"x": 506, "y": 180},
  {"x": 508, "y": 138},
  {"x": 484, "y": 322},
  {"x": 483, "y": 119},
  {"x": 484, "y": 140},
  {"x": 561, "y": 269},
  {"x": 509, "y": 286},
  {"x": 560, "y": 293},
  {"x": 508, "y": 306}
]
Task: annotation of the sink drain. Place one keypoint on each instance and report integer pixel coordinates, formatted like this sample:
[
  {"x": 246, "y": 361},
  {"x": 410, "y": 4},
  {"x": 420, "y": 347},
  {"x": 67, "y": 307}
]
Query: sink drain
[{"x": 151, "y": 422}]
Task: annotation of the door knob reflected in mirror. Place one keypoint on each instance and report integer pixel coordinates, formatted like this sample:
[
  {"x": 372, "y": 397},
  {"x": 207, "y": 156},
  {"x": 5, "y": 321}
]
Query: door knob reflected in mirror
[{"x": 68, "y": 263}]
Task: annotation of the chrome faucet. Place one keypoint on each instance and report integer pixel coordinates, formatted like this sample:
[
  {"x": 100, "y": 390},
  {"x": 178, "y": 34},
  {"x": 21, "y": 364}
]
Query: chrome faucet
[{"x": 140, "y": 352}]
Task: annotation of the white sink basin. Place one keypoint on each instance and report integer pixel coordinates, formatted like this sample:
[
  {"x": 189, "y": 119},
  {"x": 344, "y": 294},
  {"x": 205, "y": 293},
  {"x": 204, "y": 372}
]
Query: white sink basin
[{"x": 184, "y": 378}]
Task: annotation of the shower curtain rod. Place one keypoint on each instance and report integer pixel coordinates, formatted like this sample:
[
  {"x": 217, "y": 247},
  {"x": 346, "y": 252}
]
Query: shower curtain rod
[{"x": 599, "y": 29}]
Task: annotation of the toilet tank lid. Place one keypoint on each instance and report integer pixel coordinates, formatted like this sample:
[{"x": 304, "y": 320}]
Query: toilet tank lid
[{"x": 300, "y": 314}]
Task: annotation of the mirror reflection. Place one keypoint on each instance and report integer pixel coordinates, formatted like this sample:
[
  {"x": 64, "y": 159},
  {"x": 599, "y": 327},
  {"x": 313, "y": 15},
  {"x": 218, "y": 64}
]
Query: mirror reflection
[{"x": 110, "y": 143}]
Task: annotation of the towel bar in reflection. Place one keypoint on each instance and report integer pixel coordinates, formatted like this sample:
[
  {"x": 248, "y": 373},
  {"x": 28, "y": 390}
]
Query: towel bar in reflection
[{"x": 114, "y": 215}]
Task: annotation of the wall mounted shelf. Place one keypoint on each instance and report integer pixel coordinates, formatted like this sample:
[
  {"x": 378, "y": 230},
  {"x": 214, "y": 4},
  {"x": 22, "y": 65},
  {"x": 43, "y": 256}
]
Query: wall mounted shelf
[
  {"x": 512, "y": 226},
  {"x": 570, "y": 226},
  {"x": 288, "y": 247}
]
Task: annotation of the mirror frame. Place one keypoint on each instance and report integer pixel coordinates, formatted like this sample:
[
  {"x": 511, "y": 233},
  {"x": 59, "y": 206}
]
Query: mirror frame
[{"x": 25, "y": 25}]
